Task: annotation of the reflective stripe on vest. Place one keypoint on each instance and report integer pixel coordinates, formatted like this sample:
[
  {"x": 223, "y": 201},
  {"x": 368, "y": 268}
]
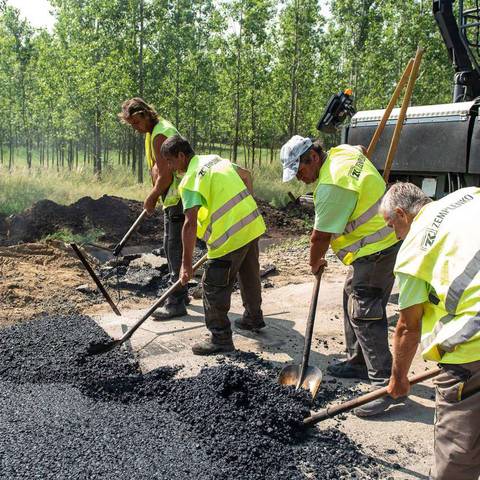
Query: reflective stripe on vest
[
  {"x": 235, "y": 228},
  {"x": 442, "y": 249},
  {"x": 366, "y": 231},
  {"x": 223, "y": 210},
  {"x": 455, "y": 291},
  {"x": 229, "y": 218},
  {"x": 369, "y": 239}
]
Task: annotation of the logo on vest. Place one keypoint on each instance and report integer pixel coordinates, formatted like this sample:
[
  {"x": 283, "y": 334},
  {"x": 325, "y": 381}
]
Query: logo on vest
[
  {"x": 203, "y": 171},
  {"x": 431, "y": 232},
  {"x": 356, "y": 170}
]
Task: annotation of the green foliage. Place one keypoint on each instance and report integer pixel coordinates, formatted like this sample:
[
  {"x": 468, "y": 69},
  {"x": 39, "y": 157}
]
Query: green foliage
[
  {"x": 67, "y": 236},
  {"x": 236, "y": 76}
]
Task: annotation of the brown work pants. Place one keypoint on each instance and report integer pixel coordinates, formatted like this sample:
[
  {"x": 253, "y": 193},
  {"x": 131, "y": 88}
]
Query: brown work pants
[
  {"x": 457, "y": 424},
  {"x": 218, "y": 282},
  {"x": 365, "y": 296}
]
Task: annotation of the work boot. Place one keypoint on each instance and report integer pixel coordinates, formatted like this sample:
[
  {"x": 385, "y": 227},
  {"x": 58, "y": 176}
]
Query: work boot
[
  {"x": 208, "y": 347},
  {"x": 377, "y": 406},
  {"x": 348, "y": 370},
  {"x": 170, "y": 310},
  {"x": 244, "y": 324}
]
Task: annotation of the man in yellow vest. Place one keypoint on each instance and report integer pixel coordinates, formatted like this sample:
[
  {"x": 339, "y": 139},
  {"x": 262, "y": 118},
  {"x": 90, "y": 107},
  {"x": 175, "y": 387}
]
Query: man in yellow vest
[
  {"x": 219, "y": 209},
  {"x": 438, "y": 269},
  {"x": 144, "y": 119},
  {"x": 347, "y": 196}
]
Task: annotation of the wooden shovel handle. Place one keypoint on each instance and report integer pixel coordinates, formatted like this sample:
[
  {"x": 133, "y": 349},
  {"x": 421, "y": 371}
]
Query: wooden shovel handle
[
  {"x": 403, "y": 112},
  {"x": 362, "y": 400},
  {"x": 386, "y": 115}
]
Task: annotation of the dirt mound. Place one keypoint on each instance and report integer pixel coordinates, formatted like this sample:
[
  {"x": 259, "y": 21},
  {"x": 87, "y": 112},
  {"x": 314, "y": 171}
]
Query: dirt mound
[
  {"x": 41, "y": 278},
  {"x": 112, "y": 215},
  {"x": 292, "y": 219}
]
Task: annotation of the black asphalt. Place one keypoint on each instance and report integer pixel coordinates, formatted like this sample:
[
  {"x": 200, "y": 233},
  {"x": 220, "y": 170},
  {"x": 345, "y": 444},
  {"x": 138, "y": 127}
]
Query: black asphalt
[{"x": 67, "y": 415}]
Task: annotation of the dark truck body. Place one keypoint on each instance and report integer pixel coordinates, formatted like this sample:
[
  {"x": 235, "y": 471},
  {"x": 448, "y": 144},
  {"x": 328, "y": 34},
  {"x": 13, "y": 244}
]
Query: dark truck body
[{"x": 439, "y": 148}]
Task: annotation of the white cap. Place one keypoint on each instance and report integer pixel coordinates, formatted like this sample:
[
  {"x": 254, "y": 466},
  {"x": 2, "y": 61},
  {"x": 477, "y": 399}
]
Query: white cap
[{"x": 290, "y": 155}]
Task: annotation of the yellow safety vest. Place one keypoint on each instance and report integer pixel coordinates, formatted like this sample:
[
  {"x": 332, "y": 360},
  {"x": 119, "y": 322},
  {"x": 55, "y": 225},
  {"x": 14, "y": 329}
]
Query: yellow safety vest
[
  {"x": 230, "y": 219},
  {"x": 163, "y": 127},
  {"x": 442, "y": 248},
  {"x": 366, "y": 231}
]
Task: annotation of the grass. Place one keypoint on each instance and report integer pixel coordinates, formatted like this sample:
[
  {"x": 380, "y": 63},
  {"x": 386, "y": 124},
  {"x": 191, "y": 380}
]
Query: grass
[
  {"x": 21, "y": 187},
  {"x": 67, "y": 236}
]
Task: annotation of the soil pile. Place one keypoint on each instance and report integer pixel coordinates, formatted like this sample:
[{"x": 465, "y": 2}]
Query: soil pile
[
  {"x": 41, "y": 278},
  {"x": 65, "y": 415},
  {"x": 112, "y": 215}
]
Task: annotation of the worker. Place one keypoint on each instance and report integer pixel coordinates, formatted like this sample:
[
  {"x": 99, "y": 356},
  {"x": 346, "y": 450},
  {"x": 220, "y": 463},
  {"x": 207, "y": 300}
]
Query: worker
[
  {"x": 438, "y": 269},
  {"x": 144, "y": 119},
  {"x": 347, "y": 196},
  {"x": 220, "y": 209}
]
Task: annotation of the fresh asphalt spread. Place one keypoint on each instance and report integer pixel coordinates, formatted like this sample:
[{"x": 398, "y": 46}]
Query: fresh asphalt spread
[{"x": 64, "y": 414}]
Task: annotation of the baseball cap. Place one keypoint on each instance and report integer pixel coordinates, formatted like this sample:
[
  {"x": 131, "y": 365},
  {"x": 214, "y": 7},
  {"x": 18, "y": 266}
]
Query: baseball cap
[{"x": 290, "y": 155}]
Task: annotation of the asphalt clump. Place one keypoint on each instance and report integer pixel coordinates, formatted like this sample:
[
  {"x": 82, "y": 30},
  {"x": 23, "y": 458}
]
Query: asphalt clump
[{"x": 64, "y": 414}]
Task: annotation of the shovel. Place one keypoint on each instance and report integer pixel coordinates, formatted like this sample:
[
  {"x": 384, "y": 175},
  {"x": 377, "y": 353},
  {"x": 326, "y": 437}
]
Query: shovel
[
  {"x": 334, "y": 410},
  {"x": 119, "y": 247},
  {"x": 103, "y": 347},
  {"x": 306, "y": 376}
]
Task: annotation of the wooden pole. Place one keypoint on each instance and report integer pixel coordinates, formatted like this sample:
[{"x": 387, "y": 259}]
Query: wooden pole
[
  {"x": 402, "y": 114},
  {"x": 378, "y": 132}
]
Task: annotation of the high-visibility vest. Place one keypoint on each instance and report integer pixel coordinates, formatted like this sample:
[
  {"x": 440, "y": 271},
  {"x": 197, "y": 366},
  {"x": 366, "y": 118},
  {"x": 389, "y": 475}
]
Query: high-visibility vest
[
  {"x": 442, "y": 248},
  {"x": 163, "y": 127},
  {"x": 366, "y": 231},
  {"x": 230, "y": 219}
]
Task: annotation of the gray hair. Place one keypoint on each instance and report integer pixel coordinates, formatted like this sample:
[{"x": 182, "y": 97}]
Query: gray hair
[{"x": 406, "y": 196}]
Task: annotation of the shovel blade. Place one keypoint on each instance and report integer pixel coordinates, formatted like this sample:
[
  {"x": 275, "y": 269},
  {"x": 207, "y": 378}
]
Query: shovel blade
[
  {"x": 290, "y": 375},
  {"x": 97, "y": 348}
]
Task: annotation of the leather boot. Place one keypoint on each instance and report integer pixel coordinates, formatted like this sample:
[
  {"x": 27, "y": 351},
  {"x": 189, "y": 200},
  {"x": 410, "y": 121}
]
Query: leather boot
[
  {"x": 170, "y": 310},
  {"x": 244, "y": 324},
  {"x": 209, "y": 347}
]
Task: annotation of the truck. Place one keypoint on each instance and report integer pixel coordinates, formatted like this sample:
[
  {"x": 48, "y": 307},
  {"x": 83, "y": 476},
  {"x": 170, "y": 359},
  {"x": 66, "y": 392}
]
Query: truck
[{"x": 439, "y": 147}]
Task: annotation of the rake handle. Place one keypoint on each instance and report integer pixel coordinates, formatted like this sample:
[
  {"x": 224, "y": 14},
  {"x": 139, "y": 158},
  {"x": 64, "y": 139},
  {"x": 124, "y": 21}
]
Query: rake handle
[
  {"x": 158, "y": 303},
  {"x": 334, "y": 410},
  {"x": 95, "y": 278}
]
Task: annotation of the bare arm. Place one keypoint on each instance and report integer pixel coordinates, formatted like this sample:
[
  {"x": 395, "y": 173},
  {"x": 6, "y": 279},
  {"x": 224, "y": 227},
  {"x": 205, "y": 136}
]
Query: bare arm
[
  {"x": 246, "y": 176},
  {"x": 189, "y": 237},
  {"x": 405, "y": 342},
  {"x": 162, "y": 176},
  {"x": 319, "y": 243}
]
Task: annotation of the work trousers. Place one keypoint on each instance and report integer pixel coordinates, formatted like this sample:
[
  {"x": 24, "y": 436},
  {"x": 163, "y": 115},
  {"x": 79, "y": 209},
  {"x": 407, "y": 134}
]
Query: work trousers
[
  {"x": 457, "y": 423},
  {"x": 173, "y": 219},
  {"x": 365, "y": 296},
  {"x": 218, "y": 281}
]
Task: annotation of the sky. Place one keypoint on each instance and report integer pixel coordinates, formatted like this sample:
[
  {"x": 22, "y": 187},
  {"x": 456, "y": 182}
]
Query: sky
[{"x": 36, "y": 12}]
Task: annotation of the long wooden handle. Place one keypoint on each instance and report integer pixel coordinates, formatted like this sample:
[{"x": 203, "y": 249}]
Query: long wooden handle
[
  {"x": 95, "y": 278},
  {"x": 403, "y": 112},
  {"x": 309, "y": 330},
  {"x": 391, "y": 104},
  {"x": 158, "y": 303},
  {"x": 359, "y": 401},
  {"x": 119, "y": 247}
]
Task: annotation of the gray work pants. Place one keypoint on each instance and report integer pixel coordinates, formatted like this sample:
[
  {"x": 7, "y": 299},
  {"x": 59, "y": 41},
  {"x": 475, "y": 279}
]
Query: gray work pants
[
  {"x": 173, "y": 219},
  {"x": 218, "y": 282},
  {"x": 365, "y": 297},
  {"x": 457, "y": 423}
]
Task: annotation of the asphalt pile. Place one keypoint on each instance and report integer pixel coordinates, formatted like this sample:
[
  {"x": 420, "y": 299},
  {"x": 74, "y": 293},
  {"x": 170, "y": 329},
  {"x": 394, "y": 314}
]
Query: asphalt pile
[{"x": 64, "y": 414}]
